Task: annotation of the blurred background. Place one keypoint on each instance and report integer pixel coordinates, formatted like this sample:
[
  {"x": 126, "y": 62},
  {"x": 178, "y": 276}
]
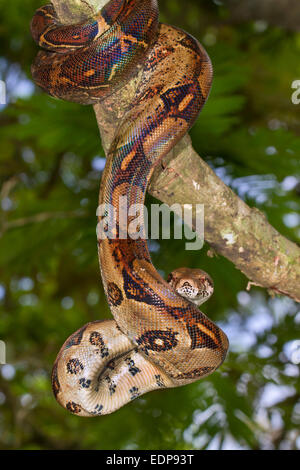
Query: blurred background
[{"x": 50, "y": 167}]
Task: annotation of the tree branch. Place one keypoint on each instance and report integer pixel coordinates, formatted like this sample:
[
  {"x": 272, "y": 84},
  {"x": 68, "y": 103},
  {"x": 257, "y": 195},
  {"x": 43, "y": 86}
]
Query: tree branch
[{"x": 240, "y": 233}]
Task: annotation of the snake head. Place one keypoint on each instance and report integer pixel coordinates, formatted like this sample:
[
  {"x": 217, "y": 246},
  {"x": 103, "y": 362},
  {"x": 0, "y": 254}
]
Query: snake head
[{"x": 194, "y": 285}]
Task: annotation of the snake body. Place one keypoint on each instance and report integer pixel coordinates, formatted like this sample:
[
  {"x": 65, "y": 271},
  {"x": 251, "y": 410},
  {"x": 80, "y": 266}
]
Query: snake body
[{"x": 158, "y": 338}]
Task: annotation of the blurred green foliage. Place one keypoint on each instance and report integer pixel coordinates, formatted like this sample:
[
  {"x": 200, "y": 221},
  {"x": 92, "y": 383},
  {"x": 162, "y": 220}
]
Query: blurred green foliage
[{"x": 50, "y": 283}]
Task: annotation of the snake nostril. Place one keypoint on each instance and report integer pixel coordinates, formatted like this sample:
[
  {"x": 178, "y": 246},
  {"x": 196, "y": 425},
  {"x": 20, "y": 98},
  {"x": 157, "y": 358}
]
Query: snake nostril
[{"x": 186, "y": 284}]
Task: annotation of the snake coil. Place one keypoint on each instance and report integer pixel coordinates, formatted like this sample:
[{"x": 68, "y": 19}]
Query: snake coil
[{"x": 158, "y": 338}]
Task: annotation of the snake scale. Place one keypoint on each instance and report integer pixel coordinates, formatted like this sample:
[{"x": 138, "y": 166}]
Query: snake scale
[{"x": 158, "y": 337}]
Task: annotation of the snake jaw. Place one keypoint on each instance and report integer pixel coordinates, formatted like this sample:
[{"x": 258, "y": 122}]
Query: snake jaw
[{"x": 194, "y": 285}]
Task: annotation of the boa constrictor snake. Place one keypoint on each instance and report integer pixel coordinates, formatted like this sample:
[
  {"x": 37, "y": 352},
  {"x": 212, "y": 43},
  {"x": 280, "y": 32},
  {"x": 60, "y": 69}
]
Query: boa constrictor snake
[{"x": 158, "y": 338}]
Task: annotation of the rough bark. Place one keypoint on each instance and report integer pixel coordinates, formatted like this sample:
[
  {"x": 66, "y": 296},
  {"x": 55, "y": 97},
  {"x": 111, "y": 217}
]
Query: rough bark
[{"x": 238, "y": 232}]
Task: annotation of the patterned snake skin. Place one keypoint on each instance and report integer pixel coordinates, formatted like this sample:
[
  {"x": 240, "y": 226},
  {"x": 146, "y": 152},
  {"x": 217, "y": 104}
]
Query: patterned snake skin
[{"x": 158, "y": 338}]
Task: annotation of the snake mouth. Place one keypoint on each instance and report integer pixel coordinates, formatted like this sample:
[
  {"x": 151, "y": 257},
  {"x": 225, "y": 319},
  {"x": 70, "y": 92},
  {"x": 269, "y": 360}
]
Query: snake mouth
[
  {"x": 196, "y": 291},
  {"x": 194, "y": 285},
  {"x": 188, "y": 290}
]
